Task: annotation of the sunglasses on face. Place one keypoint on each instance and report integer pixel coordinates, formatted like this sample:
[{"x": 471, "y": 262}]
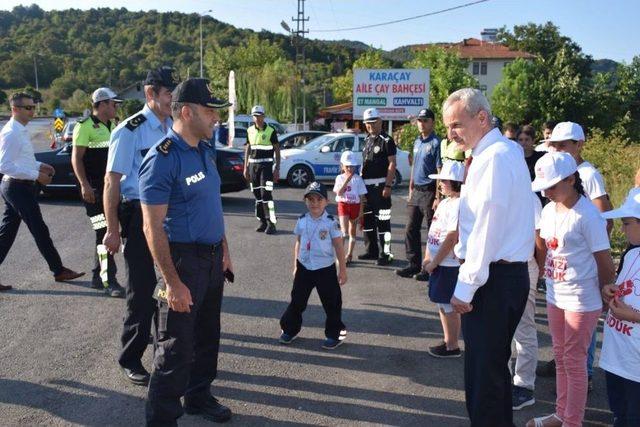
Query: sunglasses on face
[{"x": 27, "y": 107}]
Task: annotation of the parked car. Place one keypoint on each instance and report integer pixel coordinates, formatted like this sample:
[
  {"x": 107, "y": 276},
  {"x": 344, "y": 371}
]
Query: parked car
[
  {"x": 67, "y": 131},
  {"x": 230, "y": 163},
  {"x": 245, "y": 120},
  {"x": 297, "y": 139},
  {"x": 239, "y": 137},
  {"x": 320, "y": 159}
]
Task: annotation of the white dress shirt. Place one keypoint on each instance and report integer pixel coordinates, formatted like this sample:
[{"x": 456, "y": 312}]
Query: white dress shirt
[
  {"x": 496, "y": 219},
  {"x": 17, "y": 159}
]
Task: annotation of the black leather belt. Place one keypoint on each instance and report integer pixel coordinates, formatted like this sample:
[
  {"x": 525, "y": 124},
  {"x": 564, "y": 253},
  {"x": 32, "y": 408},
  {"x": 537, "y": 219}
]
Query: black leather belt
[
  {"x": 21, "y": 181},
  {"x": 198, "y": 248}
]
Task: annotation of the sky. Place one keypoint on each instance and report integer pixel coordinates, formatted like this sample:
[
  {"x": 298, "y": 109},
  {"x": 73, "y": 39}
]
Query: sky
[{"x": 603, "y": 29}]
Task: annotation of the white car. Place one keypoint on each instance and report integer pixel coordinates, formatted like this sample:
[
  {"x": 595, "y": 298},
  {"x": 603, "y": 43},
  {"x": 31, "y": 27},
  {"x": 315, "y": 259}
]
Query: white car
[{"x": 319, "y": 159}]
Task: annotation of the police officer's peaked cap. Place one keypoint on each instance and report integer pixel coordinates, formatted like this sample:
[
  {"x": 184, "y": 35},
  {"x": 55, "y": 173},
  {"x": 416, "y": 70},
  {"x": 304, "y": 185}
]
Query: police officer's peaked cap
[
  {"x": 370, "y": 115},
  {"x": 162, "y": 76},
  {"x": 317, "y": 188},
  {"x": 197, "y": 91},
  {"x": 426, "y": 113}
]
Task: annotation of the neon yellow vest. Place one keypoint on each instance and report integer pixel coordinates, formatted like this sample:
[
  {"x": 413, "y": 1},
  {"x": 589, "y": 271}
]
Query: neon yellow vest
[{"x": 260, "y": 136}]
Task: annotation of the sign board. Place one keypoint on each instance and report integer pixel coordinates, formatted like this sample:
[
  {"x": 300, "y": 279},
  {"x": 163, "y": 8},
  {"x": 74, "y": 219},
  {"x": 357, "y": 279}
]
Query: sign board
[
  {"x": 59, "y": 113},
  {"x": 397, "y": 93},
  {"x": 58, "y": 125}
]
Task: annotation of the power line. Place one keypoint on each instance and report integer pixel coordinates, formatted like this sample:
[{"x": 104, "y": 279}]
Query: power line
[{"x": 402, "y": 20}]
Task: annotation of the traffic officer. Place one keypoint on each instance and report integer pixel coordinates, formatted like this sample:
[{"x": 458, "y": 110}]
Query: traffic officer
[
  {"x": 422, "y": 192},
  {"x": 262, "y": 144},
  {"x": 378, "y": 172},
  {"x": 184, "y": 226},
  {"x": 130, "y": 141},
  {"x": 89, "y": 161}
]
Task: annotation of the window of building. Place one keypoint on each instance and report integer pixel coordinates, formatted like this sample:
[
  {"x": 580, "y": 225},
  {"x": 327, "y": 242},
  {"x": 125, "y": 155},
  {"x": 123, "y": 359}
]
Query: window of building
[
  {"x": 483, "y": 68},
  {"x": 476, "y": 68}
]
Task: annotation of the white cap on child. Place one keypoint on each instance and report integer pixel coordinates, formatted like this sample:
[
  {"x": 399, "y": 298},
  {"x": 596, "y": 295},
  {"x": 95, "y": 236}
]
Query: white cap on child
[
  {"x": 348, "y": 158},
  {"x": 552, "y": 168},
  {"x": 629, "y": 209},
  {"x": 451, "y": 170}
]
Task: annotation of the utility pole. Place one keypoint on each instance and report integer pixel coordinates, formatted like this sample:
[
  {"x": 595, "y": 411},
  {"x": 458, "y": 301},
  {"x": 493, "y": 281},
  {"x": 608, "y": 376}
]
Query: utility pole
[{"x": 298, "y": 41}]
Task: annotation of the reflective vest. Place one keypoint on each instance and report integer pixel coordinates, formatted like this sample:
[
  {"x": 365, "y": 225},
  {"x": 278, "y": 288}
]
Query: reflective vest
[{"x": 260, "y": 143}]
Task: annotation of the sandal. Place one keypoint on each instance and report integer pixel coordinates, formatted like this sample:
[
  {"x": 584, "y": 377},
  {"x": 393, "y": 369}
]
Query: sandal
[{"x": 542, "y": 421}]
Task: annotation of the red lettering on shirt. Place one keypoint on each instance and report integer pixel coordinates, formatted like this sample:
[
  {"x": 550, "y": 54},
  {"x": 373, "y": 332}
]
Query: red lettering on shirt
[{"x": 618, "y": 325}]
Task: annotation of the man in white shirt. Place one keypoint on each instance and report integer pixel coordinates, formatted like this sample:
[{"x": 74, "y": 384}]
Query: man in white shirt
[
  {"x": 21, "y": 172},
  {"x": 496, "y": 229}
]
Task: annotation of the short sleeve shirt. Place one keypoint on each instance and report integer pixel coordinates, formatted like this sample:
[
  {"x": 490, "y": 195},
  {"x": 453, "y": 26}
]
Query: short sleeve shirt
[
  {"x": 592, "y": 180},
  {"x": 186, "y": 179},
  {"x": 375, "y": 155},
  {"x": 316, "y": 240},
  {"x": 426, "y": 159},
  {"x": 445, "y": 220},
  {"x": 571, "y": 272},
  {"x": 94, "y": 135},
  {"x": 130, "y": 142},
  {"x": 353, "y": 191}
]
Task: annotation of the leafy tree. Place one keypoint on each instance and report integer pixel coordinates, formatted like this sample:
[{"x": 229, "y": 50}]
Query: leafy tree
[
  {"x": 342, "y": 86},
  {"x": 78, "y": 102},
  {"x": 3, "y": 97},
  {"x": 129, "y": 107}
]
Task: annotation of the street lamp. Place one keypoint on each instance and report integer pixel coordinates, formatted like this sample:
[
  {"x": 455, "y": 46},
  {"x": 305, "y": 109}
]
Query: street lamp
[{"x": 201, "y": 15}]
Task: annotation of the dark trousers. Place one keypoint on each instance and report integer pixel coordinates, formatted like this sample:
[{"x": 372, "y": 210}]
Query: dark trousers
[
  {"x": 488, "y": 330},
  {"x": 261, "y": 175},
  {"x": 95, "y": 212},
  {"x": 186, "y": 357},
  {"x": 624, "y": 400},
  {"x": 377, "y": 221},
  {"x": 141, "y": 282},
  {"x": 21, "y": 205},
  {"x": 419, "y": 207},
  {"x": 325, "y": 280}
]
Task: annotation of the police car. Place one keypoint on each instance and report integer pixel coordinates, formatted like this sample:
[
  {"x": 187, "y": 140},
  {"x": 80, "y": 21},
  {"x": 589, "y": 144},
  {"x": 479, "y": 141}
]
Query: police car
[{"x": 319, "y": 159}]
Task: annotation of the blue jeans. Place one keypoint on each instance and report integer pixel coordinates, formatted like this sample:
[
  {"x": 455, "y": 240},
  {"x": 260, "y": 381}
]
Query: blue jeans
[
  {"x": 591, "y": 354},
  {"x": 624, "y": 400}
]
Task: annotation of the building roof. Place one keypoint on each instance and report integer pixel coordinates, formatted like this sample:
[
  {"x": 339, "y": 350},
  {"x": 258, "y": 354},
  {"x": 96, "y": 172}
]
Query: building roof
[{"x": 472, "y": 48}]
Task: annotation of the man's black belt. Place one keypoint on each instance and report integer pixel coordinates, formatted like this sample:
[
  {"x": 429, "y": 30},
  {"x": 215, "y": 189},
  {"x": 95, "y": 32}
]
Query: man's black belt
[
  {"x": 197, "y": 248},
  {"x": 426, "y": 187},
  {"x": 21, "y": 181}
]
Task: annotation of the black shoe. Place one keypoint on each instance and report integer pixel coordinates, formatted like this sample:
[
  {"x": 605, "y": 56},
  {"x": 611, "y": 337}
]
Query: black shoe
[
  {"x": 271, "y": 229},
  {"x": 114, "y": 290},
  {"x": 209, "y": 408},
  {"x": 261, "y": 227},
  {"x": 385, "y": 260},
  {"x": 521, "y": 397},
  {"x": 364, "y": 257},
  {"x": 138, "y": 376},
  {"x": 423, "y": 276},
  {"x": 96, "y": 283},
  {"x": 546, "y": 369},
  {"x": 407, "y": 271},
  {"x": 441, "y": 352}
]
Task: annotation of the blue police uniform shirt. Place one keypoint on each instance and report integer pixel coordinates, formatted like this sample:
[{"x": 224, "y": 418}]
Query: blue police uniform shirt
[
  {"x": 128, "y": 147},
  {"x": 426, "y": 159},
  {"x": 186, "y": 179},
  {"x": 316, "y": 240}
]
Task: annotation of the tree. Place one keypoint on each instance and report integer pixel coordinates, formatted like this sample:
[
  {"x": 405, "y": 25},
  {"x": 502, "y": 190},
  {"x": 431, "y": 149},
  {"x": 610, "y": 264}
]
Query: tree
[
  {"x": 447, "y": 73},
  {"x": 78, "y": 102},
  {"x": 342, "y": 86}
]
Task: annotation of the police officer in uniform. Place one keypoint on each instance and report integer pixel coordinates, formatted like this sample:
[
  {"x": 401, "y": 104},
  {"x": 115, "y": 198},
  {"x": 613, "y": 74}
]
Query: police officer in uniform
[
  {"x": 130, "y": 142},
  {"x": 184, "y": 226},
  {"x": 262, "y": 144},
  {"x": 378, "y": 172},
  {"x": 89, "y": 160}
]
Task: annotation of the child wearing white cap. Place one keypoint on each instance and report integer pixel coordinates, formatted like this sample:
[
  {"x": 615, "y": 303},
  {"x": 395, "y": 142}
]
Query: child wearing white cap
[
  {"x": 439, "y": 260},
  {"x": 620, "y": 356},
  {"x": 578, "y": 264},
  {"x": 350, "y": 190}
]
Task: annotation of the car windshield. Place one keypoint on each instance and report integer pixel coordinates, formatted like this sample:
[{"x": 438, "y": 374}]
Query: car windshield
[{"x": 318, "y": 142}]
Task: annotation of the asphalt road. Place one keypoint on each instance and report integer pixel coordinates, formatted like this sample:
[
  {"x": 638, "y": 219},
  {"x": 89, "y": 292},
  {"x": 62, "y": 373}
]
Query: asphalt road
[{"x": 60, "y": 341}]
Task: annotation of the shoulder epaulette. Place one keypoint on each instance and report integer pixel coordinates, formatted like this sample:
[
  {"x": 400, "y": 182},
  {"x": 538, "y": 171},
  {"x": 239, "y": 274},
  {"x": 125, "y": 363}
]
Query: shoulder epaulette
[
  {"x": 164, "y": 146},
  {"x": 136, "y": 121},
  {"x": 83, "y": 119},
  {"x": 385, "y": 137},
  {"x": 302, "y": 216},
  {"x": 331, "y": 217}
]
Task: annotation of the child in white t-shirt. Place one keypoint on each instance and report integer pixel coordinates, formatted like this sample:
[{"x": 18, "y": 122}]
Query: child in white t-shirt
[
  {"x": 620, "y": 356},
  {"x": 577, "y": 265},
  {"x": 350, "y": 190},
  {"x": 439, "y": 260}
]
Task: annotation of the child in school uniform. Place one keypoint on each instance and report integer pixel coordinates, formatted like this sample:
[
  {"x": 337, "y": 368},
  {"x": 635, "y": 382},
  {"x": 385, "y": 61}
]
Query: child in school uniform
[
  {"x": 318, "y": 243},
  {"x": 439, "y": 260},
  {"x": 620, "y": 356},
  {"x": 578, "y": 264},
  {"x": 350, "y": 192}
]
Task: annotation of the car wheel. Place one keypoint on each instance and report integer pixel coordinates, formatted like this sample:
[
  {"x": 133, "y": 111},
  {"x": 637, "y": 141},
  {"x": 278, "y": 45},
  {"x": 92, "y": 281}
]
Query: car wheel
[
  {"x": 299, "y": 176},
  {"x": 397, "y": 180}
]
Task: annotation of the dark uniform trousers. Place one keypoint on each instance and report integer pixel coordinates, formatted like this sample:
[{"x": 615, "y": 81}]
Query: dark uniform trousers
[
  {"x": 325, "y": 280},
  {"x": 419, "y": 207},
  {"x": 260, "y": 174},
  {"x": 95, "y": 212},
  {"x": 21, "y": 205},
  {"x": 186, "y": 356},
  {"x": 488, "y": 330},
  {"x": 376, "y": 220},
  {"x": 141, "y": 282}
]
